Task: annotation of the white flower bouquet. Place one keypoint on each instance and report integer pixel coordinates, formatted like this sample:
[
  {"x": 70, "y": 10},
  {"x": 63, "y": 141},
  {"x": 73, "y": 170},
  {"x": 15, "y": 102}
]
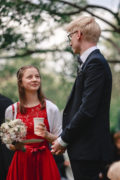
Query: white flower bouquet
[{"x": 13, "y": 131}]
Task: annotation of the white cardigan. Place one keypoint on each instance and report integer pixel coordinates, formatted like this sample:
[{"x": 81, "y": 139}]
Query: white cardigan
[{"x": 53, "y": 115}]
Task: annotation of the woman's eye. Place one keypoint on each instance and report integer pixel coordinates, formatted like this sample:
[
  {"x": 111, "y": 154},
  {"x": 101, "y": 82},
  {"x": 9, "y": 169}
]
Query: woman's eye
[
  {"x": 37, "y": 76},
  {"x": 29, "y": 77}
]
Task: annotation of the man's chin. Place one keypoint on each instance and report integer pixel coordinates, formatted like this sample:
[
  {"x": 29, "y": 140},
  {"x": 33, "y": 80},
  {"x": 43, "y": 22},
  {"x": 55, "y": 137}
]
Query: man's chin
[{"x": 75, "y": 51}]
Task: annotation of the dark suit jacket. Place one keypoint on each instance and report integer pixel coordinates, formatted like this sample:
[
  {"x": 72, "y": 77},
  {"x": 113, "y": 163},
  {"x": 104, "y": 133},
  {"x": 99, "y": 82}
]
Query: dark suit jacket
[
  {"x": 5, "y": 154},
  {"x": 86, "y": 115}
]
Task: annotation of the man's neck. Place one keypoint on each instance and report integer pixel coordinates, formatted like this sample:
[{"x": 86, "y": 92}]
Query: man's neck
[{"x": 85, "y": 46}]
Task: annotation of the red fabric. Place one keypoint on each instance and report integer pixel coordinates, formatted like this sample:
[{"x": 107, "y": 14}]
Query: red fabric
[
  {"x": 13, "y": 110},
  {"x": 37, "y": 162}
]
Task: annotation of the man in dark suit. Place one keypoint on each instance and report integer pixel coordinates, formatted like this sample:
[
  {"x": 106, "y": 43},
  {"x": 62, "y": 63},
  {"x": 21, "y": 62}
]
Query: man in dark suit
[
  {"x": 86, "y": 131},
  {"x": 5, "y": 154}
]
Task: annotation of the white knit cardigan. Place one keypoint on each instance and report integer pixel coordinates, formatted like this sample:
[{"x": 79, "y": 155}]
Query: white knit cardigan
[{"x": 53, "y": 115}]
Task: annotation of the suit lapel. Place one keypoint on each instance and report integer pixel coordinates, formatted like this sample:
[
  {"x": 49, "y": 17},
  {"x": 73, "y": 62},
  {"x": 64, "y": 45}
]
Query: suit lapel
[
  {"x": 79, "y": 79},
  {"x": 69, "y": 101}
]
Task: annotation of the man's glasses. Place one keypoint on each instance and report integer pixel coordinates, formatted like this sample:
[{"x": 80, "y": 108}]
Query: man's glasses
[{"x": 70, "y": 35}]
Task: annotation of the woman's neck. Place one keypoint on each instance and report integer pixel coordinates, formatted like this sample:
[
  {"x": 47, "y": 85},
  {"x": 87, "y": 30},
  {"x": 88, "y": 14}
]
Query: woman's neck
[{"x": 31, "y": 99}]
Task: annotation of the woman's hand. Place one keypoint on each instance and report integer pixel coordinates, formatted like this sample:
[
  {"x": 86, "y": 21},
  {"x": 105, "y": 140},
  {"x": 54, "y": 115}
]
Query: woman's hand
[
  {"x": 12, "y": 147},
  {"x": 41, "y": 130},
  {"x": 17, "y": 146}
]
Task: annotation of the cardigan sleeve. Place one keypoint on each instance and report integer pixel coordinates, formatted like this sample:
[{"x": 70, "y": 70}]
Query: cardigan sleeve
[
  {"x": 54, "y": 118},
  {"x": 9, "y": 115}
]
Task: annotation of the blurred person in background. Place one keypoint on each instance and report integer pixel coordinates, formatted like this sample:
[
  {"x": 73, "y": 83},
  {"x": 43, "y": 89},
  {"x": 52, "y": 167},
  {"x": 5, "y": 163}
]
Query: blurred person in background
[
  {"x": 59, "y": 159},
  {"x": 5, "y": 154},
  {"x": 68, "y": 169},
  {"x": 116, "y": 141},
  {"x": 114, "y": 171}
]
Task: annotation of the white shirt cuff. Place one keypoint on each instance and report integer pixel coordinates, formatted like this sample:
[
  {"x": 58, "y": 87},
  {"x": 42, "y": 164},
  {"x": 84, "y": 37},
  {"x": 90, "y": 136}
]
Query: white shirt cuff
[
  {"x": 61, "y": 142},
  {"x": 8, "y": 146}
]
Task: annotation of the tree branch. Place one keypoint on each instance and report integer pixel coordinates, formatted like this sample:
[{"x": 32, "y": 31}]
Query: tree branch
[
  {"x": 109, "y": 30},
  {"x": 113, "y": 61},
  {"x": 112, "y": 42},
  {"x": 90, "y": 6},
  {"x": 30, "y": 52},
  {"x": 110, "y": 24},
  {"x": 101, "y": 7},
  {"x": 94, "y": 6}
]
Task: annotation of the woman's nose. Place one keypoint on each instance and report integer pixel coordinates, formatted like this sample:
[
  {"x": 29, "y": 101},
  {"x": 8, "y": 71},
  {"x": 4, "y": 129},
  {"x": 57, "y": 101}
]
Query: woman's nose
[{"x": 34, "y": 78}]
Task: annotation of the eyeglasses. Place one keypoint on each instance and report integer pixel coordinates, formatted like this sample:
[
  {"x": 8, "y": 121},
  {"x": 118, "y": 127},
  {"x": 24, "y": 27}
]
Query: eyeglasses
[{"x": 70, "y": 35}]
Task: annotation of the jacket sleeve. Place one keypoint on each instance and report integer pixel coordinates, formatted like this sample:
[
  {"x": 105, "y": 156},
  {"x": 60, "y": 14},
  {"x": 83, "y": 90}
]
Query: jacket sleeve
[{"x": 92, "y": 92}]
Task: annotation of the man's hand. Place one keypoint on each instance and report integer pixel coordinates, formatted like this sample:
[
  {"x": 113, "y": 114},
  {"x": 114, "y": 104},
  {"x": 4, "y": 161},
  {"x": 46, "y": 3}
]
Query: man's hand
[{"x": 57, "y": 148}]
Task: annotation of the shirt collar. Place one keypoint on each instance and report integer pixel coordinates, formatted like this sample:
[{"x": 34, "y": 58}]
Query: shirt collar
[{"x": 86, "y": 53}]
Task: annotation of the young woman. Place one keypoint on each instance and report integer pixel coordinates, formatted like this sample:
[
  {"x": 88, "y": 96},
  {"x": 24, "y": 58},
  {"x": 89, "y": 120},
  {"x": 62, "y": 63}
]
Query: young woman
[{"x": 37, "y": 162}]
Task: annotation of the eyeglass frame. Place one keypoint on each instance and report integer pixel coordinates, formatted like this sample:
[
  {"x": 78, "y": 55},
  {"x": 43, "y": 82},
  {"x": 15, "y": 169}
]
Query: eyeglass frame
[{"x": 69, "y": 36}]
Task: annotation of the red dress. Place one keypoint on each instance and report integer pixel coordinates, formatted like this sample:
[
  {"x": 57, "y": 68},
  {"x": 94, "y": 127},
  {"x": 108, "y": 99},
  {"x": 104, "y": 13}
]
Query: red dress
[{"x": 37, "y": 162}]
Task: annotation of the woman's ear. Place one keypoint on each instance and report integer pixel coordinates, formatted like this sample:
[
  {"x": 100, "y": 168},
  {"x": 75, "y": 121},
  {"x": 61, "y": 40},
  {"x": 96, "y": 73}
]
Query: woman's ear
[{"x": 21, "y": 85}]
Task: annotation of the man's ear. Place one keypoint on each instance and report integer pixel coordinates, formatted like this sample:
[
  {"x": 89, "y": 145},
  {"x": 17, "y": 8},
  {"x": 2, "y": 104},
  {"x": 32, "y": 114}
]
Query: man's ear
[{"x": 79, "y": 34}]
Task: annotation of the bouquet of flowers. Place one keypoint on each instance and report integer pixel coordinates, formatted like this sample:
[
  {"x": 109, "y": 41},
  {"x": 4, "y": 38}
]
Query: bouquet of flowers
[{"x": 13, "y": 131}]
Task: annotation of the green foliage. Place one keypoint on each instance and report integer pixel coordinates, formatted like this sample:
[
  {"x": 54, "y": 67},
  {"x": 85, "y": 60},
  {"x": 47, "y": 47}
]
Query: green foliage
[
  {"x": 58, "y": 91},
  {"x": 20, "y": 37},
  {"x": 113, "y": 53},
  {"x": 10, "y": 90},
  {"x": 114, "y": 114},
  {"x": 54, "y": 86}
]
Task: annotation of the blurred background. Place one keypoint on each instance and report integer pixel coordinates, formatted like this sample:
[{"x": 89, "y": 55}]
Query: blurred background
[{"x": 33, "y": 32}]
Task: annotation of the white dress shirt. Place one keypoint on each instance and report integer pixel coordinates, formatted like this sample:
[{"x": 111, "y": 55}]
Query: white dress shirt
[{"x": 86, "y": 53}]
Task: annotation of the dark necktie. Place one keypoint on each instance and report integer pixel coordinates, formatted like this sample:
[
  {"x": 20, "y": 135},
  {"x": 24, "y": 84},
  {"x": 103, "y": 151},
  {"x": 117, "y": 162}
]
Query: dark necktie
[{"x": 79, "y": 64}]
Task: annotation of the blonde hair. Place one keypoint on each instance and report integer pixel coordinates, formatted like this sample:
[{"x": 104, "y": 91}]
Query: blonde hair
[
  {"x": 88, "y": 27},
  {"x": 114, "y": 171}
]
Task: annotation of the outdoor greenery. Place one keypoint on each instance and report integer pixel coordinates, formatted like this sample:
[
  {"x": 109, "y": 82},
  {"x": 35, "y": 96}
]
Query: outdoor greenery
[
  {"x": 32, "y": 32},
  {"x": 54, "y": 86}
]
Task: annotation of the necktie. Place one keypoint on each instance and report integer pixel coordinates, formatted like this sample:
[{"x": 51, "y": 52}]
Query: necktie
[{"x": 79, "y": 64}]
